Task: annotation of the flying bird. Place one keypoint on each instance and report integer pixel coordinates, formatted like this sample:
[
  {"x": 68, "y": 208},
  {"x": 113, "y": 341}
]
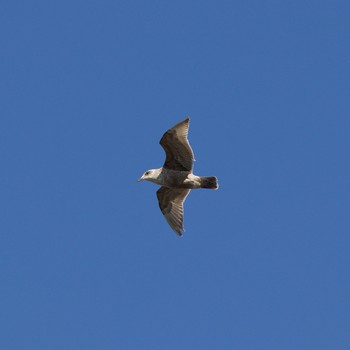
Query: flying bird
[{"x": 176, "y": 177}]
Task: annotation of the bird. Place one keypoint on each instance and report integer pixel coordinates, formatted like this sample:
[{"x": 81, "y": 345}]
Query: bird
[{"x": 176, "y": 177}]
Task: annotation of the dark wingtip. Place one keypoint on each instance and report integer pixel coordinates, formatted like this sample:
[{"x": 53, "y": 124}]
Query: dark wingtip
[{"x": 180, "y": 232}]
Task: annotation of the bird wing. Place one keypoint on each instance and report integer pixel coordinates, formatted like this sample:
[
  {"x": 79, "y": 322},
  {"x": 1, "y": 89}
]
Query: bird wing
[
  {"x": 179, "y": 154},
  {"x": 171, "y": 202}
]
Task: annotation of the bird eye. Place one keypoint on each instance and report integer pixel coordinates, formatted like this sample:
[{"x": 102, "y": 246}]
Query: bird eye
[{"x": 147, "y": 173}]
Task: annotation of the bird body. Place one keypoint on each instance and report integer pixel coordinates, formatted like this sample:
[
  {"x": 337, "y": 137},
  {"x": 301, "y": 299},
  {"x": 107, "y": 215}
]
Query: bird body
[
  {"x": 176, "y": 176},
  {"x": 173, "y": 178}
]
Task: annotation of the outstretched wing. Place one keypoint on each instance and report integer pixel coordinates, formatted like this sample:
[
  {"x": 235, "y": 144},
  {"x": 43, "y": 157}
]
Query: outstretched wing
[
  {"x": 171, "y": 202},
  {"x": 179, "y": 154}
]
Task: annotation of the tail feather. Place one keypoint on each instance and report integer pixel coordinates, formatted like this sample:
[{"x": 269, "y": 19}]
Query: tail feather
[{"x": 210, "y": 182}]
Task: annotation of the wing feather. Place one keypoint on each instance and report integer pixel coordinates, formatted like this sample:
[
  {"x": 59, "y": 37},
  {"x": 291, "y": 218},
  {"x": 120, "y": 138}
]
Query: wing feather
[
  {"x": 179, "y": 154},
  {"x": 171, "y": 202}
]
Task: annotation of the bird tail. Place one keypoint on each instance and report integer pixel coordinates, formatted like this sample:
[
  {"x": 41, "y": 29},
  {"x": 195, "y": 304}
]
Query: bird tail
[{"x": 210, "y": 182}]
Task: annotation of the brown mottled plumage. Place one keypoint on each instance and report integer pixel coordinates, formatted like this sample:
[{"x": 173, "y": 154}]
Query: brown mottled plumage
[{"x": 176, "y": 177}]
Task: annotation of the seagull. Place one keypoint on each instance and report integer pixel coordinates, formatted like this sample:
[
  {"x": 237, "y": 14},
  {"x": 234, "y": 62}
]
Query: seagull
[{"x": 176, "y": 177}]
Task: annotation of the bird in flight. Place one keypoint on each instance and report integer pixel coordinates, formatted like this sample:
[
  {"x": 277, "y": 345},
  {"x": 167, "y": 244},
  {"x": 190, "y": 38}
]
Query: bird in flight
[{"x": 176, "y": 177}]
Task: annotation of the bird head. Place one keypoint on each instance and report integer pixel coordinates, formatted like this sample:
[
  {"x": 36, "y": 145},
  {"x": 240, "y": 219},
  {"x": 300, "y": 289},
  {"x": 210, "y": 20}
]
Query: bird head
[{"x": 150, "y": 175}]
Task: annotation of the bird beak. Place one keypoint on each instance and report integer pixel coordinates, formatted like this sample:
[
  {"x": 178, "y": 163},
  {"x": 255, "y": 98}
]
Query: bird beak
[{"x": 140, "y": 179}]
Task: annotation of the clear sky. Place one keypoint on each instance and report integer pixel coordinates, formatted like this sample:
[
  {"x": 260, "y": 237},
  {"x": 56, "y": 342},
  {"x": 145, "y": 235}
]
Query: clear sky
[{"x": 87, "y": 89}]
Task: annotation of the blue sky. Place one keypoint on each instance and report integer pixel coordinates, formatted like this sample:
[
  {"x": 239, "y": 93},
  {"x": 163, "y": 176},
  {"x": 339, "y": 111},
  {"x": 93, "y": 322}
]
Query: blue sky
[{"x": 87, "y": 90}]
